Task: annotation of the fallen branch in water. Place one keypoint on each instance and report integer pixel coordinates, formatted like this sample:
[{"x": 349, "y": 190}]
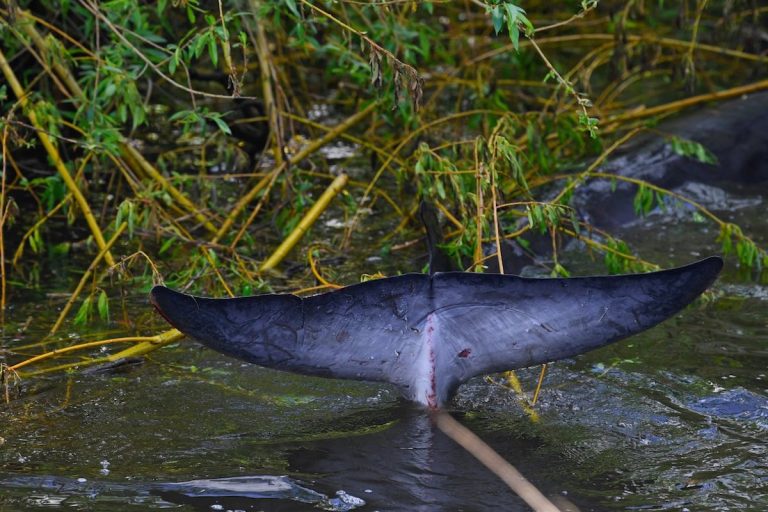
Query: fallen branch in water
[{"x": 143, "y": 345}]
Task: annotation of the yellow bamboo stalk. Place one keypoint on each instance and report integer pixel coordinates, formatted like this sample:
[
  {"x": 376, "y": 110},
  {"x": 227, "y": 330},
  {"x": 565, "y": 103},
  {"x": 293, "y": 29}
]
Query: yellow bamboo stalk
[
  {"x": 73, "y": 348},
  {"x": 215, "y": 269},
  {"x": 539, "y": 384},
  {"x": 306, "y": 222},
  {"x": 689, "y": 102},
  {"x": 580, "y": 38},
  {"x": 56, "y": 158},
  {"x": 149, "y": 344},
  {"x": 155, "y": 342},
  {"x": 86, "y": 276}
]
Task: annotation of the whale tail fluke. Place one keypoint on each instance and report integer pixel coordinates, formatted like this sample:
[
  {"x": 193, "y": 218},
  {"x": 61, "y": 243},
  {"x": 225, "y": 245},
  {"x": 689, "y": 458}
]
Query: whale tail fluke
[{"x": 429, "y": 333}]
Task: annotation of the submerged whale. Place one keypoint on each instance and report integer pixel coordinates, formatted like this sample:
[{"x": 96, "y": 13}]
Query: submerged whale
[{"x": 427, "y": 334}]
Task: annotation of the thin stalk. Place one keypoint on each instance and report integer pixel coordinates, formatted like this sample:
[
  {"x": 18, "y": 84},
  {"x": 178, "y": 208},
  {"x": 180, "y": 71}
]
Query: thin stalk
[
  {"x": 580, "y": 38},
  {"x": 215, "y": 268},
  {"x": 265, "y": 183},
  {"x": 3, "y": 215},
  {"x": 264, "y": 57},
  {"x": 316, "y": 272},
  {"x": 539, "y": 384},
  {"x": 695, "y": 36}
]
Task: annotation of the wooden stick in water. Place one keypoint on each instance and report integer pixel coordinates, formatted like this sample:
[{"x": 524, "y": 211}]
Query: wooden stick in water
[{"x": 493, "y": 461}]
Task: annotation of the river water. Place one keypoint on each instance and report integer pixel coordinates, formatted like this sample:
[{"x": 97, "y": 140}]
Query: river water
[{"x": 675, "y": 418}]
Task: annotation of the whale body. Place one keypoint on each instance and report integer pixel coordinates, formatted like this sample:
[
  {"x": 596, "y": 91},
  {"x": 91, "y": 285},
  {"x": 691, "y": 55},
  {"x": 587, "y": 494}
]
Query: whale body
[{"x": 427, "y": 334}]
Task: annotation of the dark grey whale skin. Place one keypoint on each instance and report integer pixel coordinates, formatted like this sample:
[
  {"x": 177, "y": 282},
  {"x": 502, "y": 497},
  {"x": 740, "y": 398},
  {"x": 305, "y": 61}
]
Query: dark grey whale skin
[
  {"x": 428, "y": 334},
  {"x": 735, "y": 131}
]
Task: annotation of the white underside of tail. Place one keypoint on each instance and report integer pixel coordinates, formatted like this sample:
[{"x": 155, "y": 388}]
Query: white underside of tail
[{"x": 424, "y": 385}]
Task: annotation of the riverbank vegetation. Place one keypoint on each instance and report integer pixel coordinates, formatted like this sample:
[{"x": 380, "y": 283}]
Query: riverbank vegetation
[{"x": 197, "y": 142}]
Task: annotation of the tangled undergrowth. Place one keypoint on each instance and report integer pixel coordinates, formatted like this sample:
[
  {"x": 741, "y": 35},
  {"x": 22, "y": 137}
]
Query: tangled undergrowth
[{"x": 196, "y": 135}]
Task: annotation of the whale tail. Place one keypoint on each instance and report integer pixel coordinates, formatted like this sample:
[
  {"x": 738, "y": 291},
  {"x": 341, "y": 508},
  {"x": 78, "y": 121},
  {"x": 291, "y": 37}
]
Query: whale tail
[{"x": 429, "y": 333}]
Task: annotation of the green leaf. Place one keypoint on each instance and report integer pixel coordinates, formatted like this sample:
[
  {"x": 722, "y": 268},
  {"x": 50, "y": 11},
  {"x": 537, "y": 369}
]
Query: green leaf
[
  {"x": 84, "y": 312},
  {"x": 103, "y": 306},
  {"x": 561, "y": 271},
  {"x": 589, "y": 124},
  {"x": 725, "y": 238},
  {"x": 515, "y": 18},
  {"x": 221, "y": 124},
  {"x": 497, "y": 18},
  {"x": 644, "y": 201},
  {"x": 173, "y": 63},
  {"x": 440, "y": 188},
  {"x": 166, "y": 245},
  {"x": 291, "y": 4},
  {"x": 692, "y": 149},
  {"x": 514, "y": 33},
  {"x": 575, "y": 223},
  {"x": 35, "y": 241},
  {"x": 59, "y": 250},
  {"x": 213, "y": 50}
]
